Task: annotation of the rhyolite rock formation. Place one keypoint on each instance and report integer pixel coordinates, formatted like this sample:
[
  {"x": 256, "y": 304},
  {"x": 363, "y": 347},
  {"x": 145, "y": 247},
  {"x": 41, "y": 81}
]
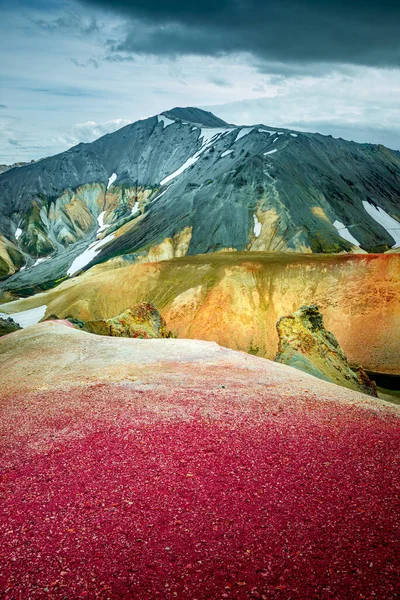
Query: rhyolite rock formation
[
  {"x": 236, "y": 298},
  {"x": 8, "y": 326},
  {"x": 141, "y": 321},
  {"x": 305, "y": 344},
  {"x": 11, "y": 258},
  {"x": 186, "y": 183}
]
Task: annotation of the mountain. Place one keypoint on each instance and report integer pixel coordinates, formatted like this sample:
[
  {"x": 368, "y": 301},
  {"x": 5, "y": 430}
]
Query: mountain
[
  {"x": 186, "y": 183},
  {"x": 4, "y": 168}
]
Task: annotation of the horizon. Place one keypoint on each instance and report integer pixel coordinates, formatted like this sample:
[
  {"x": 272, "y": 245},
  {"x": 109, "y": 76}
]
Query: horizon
[
  {"x": 78, "y": 69},
  {"x": 234, "y": 125}
]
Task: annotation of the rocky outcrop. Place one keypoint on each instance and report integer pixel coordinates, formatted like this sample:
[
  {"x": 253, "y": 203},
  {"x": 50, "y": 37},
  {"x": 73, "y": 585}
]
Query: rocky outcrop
[
  {"x": 8, "y": 326},
  {"x": 236, "y": 298},
  {"x": 11, "y": 258},
  {"x": 305, "y": 344},
  {"x": 142, "y": 321}
]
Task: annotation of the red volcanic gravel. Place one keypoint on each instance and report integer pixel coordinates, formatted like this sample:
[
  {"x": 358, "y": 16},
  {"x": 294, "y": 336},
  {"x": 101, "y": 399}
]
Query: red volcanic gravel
[{"x": 298, "y": 502}]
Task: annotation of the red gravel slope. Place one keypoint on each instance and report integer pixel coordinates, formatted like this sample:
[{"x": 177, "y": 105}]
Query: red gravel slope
[{"x": 178, "y": 469}]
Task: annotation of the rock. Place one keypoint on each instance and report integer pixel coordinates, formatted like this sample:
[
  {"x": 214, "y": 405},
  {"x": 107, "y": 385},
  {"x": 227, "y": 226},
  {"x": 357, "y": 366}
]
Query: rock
[
  {"x": 236, "y": 298},
  {"x": 305, "y": 344},
  {"x": 141, "y": 321},
  {"x": 52, "y": 317},
  {"x": 8, "y": 326},
  {"x": 76, "y": 322}
]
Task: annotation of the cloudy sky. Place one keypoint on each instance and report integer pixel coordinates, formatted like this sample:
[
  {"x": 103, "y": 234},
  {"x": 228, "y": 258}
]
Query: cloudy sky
[{"x": 74, "y": 70}]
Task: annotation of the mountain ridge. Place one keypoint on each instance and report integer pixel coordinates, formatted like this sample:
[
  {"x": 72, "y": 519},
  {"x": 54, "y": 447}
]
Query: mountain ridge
[{"x": 166, "y": 186}]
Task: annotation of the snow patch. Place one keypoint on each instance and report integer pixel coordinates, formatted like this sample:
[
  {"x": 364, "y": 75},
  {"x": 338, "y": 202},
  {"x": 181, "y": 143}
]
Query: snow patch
[
  {"x": 244, "y": 131},
  {"x": 257, "y": 226},
  {"x": 135, "y": 208},
  {"x": 209, "y": 133},
  {"x": 226, "y": 153},
  {"x": 88, "y": 255},
  {"x": 100, "y": 220},
  {"x": 293, "y": 134},
  {"x": 27, "y": 317},
  {"x": 159, "y": 195},
  {"x": 18, "y": 233},
  {"x": 380, "y": 216},
  {"x": 111, "y": 180},
  {"x": 281, "y": 133},
  {"x": 345, "y": 233},
  {"x": 209, "y": 136},
  {"x": 271, "y": 151},
  {"x": 40, "y": 260},
  {"x": 165, "y": 121},
  {"x": 190, "y": 161}
]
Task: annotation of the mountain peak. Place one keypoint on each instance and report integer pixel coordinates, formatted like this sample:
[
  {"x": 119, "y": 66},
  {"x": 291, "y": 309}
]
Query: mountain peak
[{"x": 194, "y": 115}]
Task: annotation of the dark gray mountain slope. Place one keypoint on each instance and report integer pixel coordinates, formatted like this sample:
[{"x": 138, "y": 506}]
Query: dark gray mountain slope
[
  {"x": 185, "y": 182},
  {"x": 195, "y": 116}
]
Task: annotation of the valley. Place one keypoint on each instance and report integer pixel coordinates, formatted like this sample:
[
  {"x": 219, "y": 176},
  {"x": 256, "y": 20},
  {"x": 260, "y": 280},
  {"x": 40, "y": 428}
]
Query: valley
[
  {"x": 237, "y": 298},
  {"x": 190, "y": 312}
]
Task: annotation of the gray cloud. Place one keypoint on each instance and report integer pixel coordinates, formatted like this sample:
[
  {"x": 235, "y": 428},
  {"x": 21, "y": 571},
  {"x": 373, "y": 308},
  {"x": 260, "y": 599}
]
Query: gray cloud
[
  {"x": 89, "y": 131},
  {"x": 388, "y": 136},
  {"x": 220, "y": 81},
  {"x": 60, "y": 90},
  {"x": 331, "y": 105},
  {"x": 67, "y": 23},
  {"x": 118, "y": 58},
  {"x": 295, "y": 31},
  {"x": 288, "y": 72},
  {"x": 284, "y": 70},
  {"x": 91, "y": 62},
  {"x": 3, "y": 106}
]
